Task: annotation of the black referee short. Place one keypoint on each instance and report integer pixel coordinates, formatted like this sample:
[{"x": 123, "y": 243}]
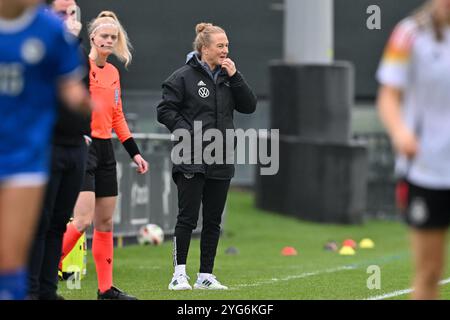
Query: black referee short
[
  {"x": 427, "y": 208},
  {"x": 101, "y": 173}
]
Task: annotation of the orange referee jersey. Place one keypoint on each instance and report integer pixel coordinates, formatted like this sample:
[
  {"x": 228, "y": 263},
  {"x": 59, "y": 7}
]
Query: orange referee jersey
[{"x": 106, "y": 95}]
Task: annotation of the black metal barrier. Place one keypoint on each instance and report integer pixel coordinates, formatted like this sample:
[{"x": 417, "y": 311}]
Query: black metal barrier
[
  {"x": 380, "y": 178},
  {"x": 317, "y": 181}
]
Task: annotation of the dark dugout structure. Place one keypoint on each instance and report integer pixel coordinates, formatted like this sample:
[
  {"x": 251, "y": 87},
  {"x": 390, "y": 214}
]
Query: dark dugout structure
[{"x": 323, "y": 174}]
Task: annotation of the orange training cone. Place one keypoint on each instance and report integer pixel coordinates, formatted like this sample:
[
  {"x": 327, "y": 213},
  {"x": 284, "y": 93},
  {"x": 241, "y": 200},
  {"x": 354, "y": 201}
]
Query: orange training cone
[
  {"x": 289, "y": 251},
  {"x": 349, "y": 243}
]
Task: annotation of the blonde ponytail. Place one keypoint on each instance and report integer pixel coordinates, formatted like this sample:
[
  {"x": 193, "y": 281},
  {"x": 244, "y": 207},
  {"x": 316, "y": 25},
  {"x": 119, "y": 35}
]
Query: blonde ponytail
[{"x": 123, "y": 46}]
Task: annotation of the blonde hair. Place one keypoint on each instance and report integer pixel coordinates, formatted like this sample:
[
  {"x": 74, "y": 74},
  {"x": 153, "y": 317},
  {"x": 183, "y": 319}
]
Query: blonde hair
[
  {"x": 425, "y": 16},
  {"x": 203, "y": 38},
  {"x": 122, "y": 49}
]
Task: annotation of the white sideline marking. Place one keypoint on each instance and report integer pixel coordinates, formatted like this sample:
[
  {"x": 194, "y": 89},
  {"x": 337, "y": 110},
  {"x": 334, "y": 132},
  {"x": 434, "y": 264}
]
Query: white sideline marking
[
  {"x": 315, "y": 273},
  {"x": 402, "y": 292},
  {"x": 298, "y": 276}
]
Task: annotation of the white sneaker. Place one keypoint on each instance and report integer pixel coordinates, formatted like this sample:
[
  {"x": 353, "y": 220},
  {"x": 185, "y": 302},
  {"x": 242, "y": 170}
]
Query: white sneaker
[
  {"x": 209, "y": 283},
  {"x": 180, "y": 282}
]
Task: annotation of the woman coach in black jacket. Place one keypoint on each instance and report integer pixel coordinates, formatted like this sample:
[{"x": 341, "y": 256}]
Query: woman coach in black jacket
[{"x": 207, "y": 89}]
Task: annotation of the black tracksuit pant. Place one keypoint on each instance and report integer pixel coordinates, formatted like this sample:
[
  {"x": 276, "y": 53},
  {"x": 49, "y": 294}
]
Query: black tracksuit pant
[
  {"x": 194, "y": 190},
  {"x": 67, "y": 172}
]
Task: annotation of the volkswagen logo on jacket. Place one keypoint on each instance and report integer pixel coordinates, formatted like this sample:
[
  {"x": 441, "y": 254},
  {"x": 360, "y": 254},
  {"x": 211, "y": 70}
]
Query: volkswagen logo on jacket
[{"x": 203, "y": 92}]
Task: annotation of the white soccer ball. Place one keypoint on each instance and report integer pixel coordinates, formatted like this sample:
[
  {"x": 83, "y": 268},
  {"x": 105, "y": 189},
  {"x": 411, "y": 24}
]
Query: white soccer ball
[{"x": 151, "y": 234}]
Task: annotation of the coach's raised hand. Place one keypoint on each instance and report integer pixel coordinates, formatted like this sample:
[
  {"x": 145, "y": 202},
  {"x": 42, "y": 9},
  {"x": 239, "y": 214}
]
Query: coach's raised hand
[{"x": 229, "y": 66}]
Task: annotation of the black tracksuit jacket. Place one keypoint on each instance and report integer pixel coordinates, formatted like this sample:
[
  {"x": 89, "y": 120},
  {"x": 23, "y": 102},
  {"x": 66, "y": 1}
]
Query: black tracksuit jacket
[{"x": 182, "y": 104}]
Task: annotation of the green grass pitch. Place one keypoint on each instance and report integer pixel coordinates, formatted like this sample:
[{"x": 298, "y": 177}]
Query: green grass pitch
[{"x": 259, "y": 271}]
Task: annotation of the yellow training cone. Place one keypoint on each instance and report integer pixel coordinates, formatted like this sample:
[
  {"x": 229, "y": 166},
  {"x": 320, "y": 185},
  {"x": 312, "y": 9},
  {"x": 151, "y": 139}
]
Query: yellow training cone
[
  {"x": 366, "y": 244},
  {"x": 347, "y": 251}
]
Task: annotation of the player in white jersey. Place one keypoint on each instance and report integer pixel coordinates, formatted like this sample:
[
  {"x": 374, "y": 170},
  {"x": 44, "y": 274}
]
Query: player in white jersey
[{"x": 414, "y": 105}]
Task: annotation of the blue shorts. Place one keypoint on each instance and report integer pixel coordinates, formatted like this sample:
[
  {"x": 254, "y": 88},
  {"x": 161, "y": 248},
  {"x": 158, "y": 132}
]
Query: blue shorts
[{"x": 21, "y": 167}]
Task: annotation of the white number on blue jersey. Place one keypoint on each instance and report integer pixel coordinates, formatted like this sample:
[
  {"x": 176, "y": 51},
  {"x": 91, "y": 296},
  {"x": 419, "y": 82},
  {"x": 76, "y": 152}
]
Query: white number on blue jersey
[{"x": 11, "y": 79}]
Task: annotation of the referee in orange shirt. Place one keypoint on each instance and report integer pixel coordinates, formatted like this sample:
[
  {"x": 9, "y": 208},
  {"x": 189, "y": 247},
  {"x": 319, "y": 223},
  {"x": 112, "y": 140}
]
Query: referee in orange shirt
[{"x": 97, "y": 199}]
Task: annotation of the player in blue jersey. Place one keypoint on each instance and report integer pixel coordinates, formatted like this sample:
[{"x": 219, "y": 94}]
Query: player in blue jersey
[{"x": 38, "y": 61}]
